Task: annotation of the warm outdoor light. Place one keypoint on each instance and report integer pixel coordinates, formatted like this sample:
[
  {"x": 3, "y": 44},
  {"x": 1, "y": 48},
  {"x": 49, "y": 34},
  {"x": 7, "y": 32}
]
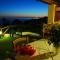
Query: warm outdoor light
[
  {"x": 7, "y": 35},
  {"x": 0, "y": 32}
]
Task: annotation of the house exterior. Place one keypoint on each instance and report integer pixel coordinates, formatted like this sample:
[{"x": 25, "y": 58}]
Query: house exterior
[{"x": 53, "y": 11}]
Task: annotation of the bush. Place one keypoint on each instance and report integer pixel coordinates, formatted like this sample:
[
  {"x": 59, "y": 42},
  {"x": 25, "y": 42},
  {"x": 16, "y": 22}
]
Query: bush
[
  {"x": 25, "y": 50},
  {"x": 55, "y": 35}
]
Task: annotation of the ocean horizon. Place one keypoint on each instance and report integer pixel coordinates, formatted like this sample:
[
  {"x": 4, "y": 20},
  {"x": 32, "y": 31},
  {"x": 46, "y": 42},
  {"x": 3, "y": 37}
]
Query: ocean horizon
[{"x": 24, "y": 19}]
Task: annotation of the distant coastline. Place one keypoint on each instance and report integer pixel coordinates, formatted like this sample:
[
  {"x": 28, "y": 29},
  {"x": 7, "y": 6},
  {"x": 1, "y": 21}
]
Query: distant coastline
[{"x": 24, "y": 19}]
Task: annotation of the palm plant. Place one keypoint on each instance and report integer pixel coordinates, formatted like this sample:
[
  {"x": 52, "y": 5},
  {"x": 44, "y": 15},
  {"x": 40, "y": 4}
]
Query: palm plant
[{"x": 55, "y": 36}]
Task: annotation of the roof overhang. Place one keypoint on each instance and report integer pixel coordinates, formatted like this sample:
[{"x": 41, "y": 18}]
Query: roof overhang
[
  {"x": 46, "y": 1},
  {"x": 50, "y": 1}
]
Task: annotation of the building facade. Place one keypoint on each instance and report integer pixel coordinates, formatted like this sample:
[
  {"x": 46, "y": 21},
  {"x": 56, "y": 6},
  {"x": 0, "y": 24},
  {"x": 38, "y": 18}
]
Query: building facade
[{"x": 53, "y": 11}]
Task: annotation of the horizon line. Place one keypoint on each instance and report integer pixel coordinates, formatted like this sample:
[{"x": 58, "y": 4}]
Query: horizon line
[{"x": 25, "y": 16}]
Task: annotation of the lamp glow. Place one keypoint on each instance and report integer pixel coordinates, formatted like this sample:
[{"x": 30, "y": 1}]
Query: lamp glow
[
  {"x": 7, "y": 35},
  {"x": 0, "y": 32}
]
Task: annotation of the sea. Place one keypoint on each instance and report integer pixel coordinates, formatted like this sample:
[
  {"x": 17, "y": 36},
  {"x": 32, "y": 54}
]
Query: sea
[{"x": 24, "y": 19}]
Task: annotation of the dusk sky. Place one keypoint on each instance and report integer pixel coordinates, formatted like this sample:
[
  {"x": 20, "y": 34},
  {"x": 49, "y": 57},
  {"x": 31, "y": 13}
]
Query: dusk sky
[{"x": 23, "y": 8}]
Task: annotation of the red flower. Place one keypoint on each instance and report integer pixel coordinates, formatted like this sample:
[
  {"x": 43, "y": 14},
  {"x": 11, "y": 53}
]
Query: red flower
[{"x": 25, "y": 50}]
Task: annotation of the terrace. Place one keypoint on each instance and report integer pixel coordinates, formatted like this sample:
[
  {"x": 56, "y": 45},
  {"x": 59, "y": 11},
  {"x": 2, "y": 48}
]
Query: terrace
[
  {"x": 43, "y": 48},
  {"x": 9, "y": 41}
]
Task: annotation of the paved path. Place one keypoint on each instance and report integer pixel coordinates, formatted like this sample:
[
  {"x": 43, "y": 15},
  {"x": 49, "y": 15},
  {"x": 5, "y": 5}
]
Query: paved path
[
  {"x": 41, "y": 47},
  {"x": 19, "y": 40}
]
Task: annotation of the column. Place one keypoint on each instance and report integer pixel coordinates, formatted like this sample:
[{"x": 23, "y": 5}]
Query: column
[{"x": 51, "y": 13}]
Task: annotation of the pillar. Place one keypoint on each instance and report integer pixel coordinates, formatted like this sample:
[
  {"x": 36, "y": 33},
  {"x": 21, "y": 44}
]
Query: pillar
[{"x": 51, "y": 13}]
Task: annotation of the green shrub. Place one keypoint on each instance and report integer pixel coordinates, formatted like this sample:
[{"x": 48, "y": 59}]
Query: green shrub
[{"x": 55, "y": 35}]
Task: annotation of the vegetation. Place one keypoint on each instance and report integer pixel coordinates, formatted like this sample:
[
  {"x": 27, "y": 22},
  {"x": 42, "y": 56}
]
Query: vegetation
[
  {"x": 55, "y": 36},
  {"x": 33, "y": 25},
  {"x": 6, "y": 45}
]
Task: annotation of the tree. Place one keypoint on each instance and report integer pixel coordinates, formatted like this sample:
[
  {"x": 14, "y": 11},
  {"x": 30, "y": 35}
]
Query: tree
[
  {"x": 17, "y": 22},
  {"x": 5, "y": 21}
]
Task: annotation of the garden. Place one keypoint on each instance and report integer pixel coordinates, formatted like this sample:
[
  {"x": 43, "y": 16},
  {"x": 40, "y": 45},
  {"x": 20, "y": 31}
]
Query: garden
[{"x": 37, "y": 49}]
